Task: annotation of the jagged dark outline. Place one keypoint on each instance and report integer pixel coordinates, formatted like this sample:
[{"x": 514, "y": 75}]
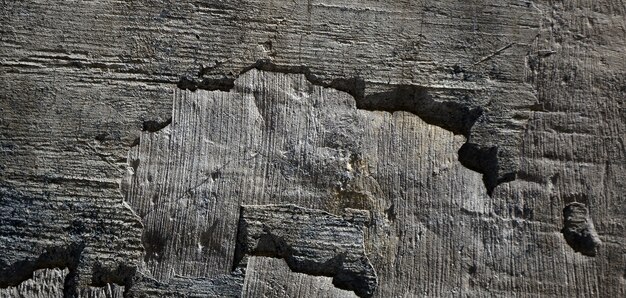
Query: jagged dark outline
[
  {"x": 273, "y": 246},
  {"x": 66, "y": 255},
  {"x": 456, "y": 116}
]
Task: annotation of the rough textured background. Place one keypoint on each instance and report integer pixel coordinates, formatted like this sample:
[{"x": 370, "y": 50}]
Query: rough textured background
[{"x": 484, "y": 139}]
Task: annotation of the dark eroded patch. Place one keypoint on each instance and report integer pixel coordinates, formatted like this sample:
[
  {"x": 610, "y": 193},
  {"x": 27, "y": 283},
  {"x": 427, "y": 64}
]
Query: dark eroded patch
[{"x": 578, "y": 229}]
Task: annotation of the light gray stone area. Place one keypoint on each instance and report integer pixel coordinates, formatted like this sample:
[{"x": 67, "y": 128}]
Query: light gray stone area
[
  {"x": 223, "y": 150},
  {"x": 43, "y": 283},
  {"x": 484, "y": 138}
]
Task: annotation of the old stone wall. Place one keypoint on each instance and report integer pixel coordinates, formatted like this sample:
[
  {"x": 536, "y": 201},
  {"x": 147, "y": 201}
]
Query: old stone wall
[{"x": 312, "y": 148}]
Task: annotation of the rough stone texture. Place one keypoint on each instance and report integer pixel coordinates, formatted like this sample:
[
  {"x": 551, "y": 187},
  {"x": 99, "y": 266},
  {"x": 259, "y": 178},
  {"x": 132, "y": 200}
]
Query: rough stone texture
[
  {"x": 220, "y": 286},
  {"x": 271, "y": 277},
  {"x": 529, "y": 94},
  {"x": 44, "y": 283},
  {"x": 310, "y": 241},
  {"x": 51, "y": 283},
  {"x": 244, "y": 147},
  {"x": 578, "y": 229},
  {"x": 95, "y": 238}
]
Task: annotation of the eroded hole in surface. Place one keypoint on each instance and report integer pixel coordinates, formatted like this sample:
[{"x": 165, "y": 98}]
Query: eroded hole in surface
[{"x": 578, "y": 229}]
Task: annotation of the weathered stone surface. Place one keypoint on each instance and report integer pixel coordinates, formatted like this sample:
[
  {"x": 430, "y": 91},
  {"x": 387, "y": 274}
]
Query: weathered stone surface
[
  {"x": 43, "y": 283},
  {"x": 244, "y": 147},
  {"x": 221, "y": 286},
  {"x": 52, "y": 283},
  {"x": 578, "y": 229},
  {"x": 529, "y": 92},
  {"x": 271, "y": 277},
  {"x": 54, "y": 231},
  {"x": 310, "y": 241}
]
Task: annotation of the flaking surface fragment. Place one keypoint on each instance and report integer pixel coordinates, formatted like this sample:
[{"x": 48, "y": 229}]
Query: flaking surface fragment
[{"x": 311, "y": 241}]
